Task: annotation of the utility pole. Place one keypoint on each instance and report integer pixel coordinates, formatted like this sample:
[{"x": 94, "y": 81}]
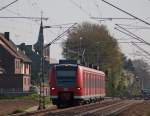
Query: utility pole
[
  {"x": 80, "y": 50},
  {"x": 98, "y": 58},
  {"x": 39, "y": 48}
]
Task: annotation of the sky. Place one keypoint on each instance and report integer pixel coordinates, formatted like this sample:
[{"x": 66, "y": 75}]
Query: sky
[{"x": 71, "y": 11}]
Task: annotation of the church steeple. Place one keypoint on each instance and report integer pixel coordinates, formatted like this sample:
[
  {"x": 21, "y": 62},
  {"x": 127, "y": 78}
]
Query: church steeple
[{"x": 38, "y": 46}]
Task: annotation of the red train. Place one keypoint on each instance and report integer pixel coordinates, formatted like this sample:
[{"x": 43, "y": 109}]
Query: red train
[{"x": 74, "y": 84}]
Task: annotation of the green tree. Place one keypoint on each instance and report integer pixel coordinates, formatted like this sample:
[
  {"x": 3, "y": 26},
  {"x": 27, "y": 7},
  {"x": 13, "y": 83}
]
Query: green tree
[
  {"x": 93, "y": 44},
  {"x": 143, "y": 73},
  {"x": 127, "y": 64}
]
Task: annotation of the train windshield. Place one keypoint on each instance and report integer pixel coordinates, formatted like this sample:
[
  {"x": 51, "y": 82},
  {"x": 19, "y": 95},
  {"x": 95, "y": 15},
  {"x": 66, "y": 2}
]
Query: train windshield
[{"x": 66, "y": 76}]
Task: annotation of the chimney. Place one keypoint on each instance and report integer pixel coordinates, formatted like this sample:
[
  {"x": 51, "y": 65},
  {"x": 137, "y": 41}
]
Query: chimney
[{"x": 6, "y": 35}]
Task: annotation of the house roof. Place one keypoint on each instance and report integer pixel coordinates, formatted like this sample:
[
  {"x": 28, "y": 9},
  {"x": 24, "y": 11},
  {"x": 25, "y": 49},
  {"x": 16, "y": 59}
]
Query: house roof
[{"x": 13, "y": 49}]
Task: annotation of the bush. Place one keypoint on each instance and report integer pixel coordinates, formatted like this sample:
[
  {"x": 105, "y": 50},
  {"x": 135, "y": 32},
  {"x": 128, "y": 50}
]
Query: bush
[{"x": 17, "y": 111}]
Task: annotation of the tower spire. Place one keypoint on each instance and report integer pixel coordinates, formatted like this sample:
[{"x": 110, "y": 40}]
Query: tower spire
[{"x": 38, "y": 46}]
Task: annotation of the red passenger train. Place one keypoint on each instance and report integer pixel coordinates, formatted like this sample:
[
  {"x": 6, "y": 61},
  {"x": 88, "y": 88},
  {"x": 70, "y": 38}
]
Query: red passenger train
[{"x": 74, "y": 84}]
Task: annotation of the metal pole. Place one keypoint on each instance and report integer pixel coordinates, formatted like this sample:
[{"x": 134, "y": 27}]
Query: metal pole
[
  {"x": 40, "y": 100},
  {"x": 43, "y": 97},
  {"x": 80, "y": 50}
]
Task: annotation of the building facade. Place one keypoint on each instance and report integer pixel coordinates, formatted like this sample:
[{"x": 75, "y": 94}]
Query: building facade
[
  {"x": 36, "y": 61},
  {"x": 15, "y": 67}
]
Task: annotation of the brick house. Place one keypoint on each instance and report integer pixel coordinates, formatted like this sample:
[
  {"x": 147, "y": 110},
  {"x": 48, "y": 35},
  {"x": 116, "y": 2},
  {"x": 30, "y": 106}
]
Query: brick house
[
  {"x": 15, "y": 67},
  {"x": 36, "y": 60}
]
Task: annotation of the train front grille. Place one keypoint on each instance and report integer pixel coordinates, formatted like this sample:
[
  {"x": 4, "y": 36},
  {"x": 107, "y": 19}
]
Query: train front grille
[{"x": 65, "y": 96}]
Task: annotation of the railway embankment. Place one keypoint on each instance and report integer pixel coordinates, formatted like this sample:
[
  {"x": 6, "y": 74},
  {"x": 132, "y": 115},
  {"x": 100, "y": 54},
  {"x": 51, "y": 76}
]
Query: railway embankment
[
  {"x": 142, "y": 109},
  {"x": 105, "y": 108}
]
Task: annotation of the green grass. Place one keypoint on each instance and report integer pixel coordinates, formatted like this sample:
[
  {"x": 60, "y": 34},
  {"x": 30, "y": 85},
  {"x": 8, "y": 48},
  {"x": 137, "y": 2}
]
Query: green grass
[
  {"x": 29, "y": 97},
  {"x": 16, "y": 111},
  {"x": 34, "y": 97}
]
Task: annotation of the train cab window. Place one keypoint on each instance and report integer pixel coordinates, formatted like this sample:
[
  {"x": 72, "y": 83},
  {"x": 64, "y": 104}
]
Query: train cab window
[{"x": 66, "y": 77}]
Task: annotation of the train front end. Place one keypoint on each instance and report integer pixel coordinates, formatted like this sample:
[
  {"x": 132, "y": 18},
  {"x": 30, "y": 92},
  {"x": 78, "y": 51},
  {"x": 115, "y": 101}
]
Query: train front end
[{"x": 63, "y": 84}]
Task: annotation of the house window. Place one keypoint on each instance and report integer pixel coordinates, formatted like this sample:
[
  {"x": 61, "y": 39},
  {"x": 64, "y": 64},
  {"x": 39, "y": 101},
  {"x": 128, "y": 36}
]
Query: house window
[
  {"x": 17, "y": 64},
  {"x": 25, "y": 68},
  {"x": 28, "y": 81},
  {"x": 25, "y": 81}
]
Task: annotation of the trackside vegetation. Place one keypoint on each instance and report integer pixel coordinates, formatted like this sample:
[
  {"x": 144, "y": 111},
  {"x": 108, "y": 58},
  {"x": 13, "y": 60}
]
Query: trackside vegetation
[{"x": 92, "y": 44}]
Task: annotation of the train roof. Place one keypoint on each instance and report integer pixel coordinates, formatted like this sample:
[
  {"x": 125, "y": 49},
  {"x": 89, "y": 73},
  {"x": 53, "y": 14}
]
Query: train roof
[
  {"x": 80, "y": 66},
  {"x": 73, "y": 65},
  {"x": 91, "y": 69}
]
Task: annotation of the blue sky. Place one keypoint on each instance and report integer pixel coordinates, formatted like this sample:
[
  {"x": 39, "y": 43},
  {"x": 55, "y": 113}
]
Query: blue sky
[{"x": 70, "y": 11}]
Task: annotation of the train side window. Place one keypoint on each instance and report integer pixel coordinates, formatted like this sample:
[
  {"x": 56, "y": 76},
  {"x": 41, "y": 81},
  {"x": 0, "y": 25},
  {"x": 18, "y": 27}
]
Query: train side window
[
  {"x": 87, "y": 83},
  {"x": 100, "y": 82},
  {"x": 94, "y": 84},
  {"x": 86, "y": 80},
  {"x": 103, "y": 81},
  {"x": 89, "y": 80},
  {"x": 83, "y": 79}
]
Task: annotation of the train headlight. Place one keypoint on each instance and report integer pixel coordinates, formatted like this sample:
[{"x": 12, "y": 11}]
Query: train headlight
[
  {"x": 78, "y": 88},
  {"x": 52, "y": 88}
]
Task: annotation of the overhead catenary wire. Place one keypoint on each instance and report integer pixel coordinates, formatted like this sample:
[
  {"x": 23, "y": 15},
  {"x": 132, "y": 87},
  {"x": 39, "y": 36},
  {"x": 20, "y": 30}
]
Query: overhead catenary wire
[
  {"x": 128, "y": 34},
  {"x": 134, "y": 26},
  {"x": 111, "y": 18},
  {"x": 66, "y": 25},
  {"x": 143, "y": 55},
  {"x": 22, "y": 17},
  {"x": 59, "y": 36},
  {"x": 137, "y": 28},
  {"x": 34, "y": 19},
  {"x": 129, "y": 42},
  {"x": 141, "y": 49},
  {"x": 8, "y": 5},
  {"x": 133, "y": 35},
  {"x": 127, "y": 13}
]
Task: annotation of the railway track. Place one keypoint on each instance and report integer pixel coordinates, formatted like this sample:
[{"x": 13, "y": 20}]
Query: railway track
[
  {"x": 83, "y": 108},
  {"x": 105, "y": 108},
  {"x": 55, "y": 110},
  {"x": 110, "y": 110}
]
